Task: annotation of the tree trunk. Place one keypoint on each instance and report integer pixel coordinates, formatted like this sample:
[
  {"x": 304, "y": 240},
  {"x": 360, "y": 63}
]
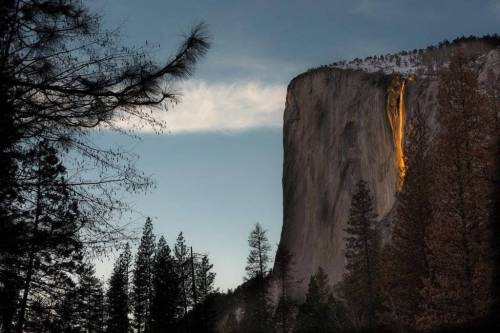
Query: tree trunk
[{"x": 31, "y": 262}]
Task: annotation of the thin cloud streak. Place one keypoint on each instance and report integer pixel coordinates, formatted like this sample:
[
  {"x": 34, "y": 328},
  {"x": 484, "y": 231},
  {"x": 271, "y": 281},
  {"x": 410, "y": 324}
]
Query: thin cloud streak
[{"x": 220, "y": 107}]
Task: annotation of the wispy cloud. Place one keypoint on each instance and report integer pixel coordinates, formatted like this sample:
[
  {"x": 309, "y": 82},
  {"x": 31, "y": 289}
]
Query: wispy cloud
[{"x": 221, "y": 107}]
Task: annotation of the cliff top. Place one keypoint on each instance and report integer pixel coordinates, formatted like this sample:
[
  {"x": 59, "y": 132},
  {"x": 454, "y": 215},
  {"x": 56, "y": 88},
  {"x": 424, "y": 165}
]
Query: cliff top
[{"x": 417, "y": 61}]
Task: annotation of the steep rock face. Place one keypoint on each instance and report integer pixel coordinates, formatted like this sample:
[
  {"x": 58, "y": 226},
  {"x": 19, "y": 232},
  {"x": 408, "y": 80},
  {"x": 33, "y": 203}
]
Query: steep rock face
[{"x": 338, "y": 129}]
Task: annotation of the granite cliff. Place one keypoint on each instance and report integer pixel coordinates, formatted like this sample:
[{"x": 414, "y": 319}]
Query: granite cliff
[{"x": 346, "y": 122}]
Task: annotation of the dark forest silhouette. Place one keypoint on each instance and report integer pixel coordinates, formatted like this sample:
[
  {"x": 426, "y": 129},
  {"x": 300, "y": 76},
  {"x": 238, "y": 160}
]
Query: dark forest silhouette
[{"x": 62, "y": 75}]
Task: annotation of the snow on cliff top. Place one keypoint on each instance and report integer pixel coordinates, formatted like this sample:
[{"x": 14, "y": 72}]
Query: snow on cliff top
[
  {"x": 423, "y": 61},
  {"x": 406, "y": 64}
]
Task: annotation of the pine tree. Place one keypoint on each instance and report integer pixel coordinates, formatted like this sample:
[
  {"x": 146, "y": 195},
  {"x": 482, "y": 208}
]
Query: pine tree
[
  {"x": 360, "y": 284},
  {"x": 166, "y": 291},
  {"x": 117, "y": 295},
  {"x": 88, "y": 298},
  {"x": 320, "y": 312},
  {"x": 52, "y": 222},
  {"x": 406, "y": 259},
  {"x": 193, "y": 262},
  {"x": 460, "y": 287},
  {"x": 258, "y": 259},
  {"x": 258, "y": 312},
  {"x": 205, "y": 278},
  {"x": 65, "y": 309},
  {"x": 204, "y": 311},
  {"x": 183, "y": 263},
  {"x": 143, "y": 279}
]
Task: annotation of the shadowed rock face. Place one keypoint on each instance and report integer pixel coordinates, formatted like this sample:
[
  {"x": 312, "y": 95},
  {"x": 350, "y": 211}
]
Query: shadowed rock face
[{"x": 337, "y": 130}]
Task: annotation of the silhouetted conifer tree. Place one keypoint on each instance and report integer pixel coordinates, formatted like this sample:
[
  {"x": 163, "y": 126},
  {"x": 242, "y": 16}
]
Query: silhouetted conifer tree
[
  {"x": 183, "y": 266},
  {"x": 65, "y": 308},
  {"x": 258, "y": 311},
  {"x": 321, "y": 312},
  {"x": 205, "y": 277},
  {"x": 258, "y": 259},
  {"x": 117, "y": 295},
  {"x": 166, "y": 290},
  {"x": 88, "y": 314},
  {"x": 51, "y": 224},
  {"x": 360, "y": 284},
  {"x": 142, "y": 290}
]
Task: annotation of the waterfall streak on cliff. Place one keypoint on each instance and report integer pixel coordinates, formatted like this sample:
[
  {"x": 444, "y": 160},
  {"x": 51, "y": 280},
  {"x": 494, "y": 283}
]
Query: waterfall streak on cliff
[{"x": 396, "y": 118}]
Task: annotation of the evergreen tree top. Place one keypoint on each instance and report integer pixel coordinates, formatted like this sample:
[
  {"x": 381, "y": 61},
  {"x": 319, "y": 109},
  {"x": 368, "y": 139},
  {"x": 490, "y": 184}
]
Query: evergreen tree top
[{"x": 258, "y": 259}]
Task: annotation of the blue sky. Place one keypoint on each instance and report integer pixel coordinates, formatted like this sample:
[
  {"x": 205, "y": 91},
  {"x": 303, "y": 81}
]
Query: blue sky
[{"x": 218, "y": 167}]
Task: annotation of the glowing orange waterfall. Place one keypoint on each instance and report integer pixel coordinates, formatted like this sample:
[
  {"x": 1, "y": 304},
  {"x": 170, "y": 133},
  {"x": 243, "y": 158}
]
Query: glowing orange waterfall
[{"x": 396, "y": 118}]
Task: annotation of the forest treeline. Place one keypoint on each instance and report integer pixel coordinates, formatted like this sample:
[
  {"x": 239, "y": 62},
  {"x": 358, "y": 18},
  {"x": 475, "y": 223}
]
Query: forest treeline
[{"x": 149, "y": 292}]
